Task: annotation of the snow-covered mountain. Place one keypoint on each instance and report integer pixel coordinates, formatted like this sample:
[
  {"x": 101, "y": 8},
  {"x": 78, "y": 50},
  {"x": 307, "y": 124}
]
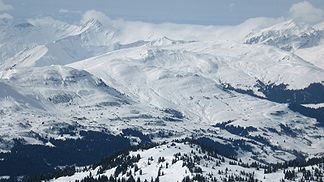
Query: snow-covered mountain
[
  {"x": 33, "y": 98},
  {"x": 287, "y": 35},
  {"x": 75, "y": 93},
  {"x": 47, "y": 41}
]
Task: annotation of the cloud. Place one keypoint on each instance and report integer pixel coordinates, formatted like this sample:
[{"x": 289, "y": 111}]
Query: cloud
[
  {"x": 66, "y": 11},
  {"x": 4, "y": 6},
  {"x": 231, "y": 6},
  {"x": 306, "y": 12},
  {"x": 6, "y": 16},
  {"x": 95, "y": 15}
]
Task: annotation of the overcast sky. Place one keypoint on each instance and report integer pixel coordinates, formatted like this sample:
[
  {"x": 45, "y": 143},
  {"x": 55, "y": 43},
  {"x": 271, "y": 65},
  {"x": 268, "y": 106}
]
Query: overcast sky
[{"x": 213, "y": 12}]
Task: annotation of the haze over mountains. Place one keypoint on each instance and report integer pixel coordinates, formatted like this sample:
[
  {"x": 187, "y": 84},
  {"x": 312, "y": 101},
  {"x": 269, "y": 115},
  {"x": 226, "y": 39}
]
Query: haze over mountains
[{"x": 242, "y": 97}]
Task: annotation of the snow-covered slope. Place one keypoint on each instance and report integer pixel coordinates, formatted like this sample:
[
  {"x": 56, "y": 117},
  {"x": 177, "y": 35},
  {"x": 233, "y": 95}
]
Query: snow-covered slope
[
  {"x": 287, "y": 35},
  {"x": 314, "y": 55}
]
